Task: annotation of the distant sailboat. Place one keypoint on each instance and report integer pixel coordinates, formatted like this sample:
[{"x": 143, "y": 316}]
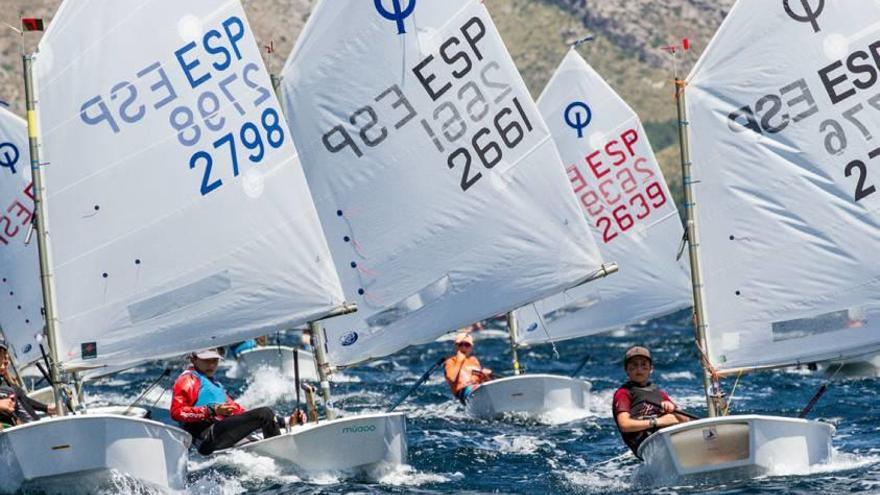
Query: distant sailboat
[
  {"x": 180, "y": 218},
  {"x": 624, "y": 197},
  {"x": 780, "y": 120},
  {"x": 277, "y": 358},
  {"x": 432, "y": 172}
]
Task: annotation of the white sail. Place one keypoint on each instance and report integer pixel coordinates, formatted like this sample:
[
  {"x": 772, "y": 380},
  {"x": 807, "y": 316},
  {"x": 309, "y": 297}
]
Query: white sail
[
  {"x": 784, "y": 112},
  {"x": 432, "y": 170},
  {"x": 624, "y": 197},
  {"x": 21, "y": 300},
  {"x": 179, "y": 214}
]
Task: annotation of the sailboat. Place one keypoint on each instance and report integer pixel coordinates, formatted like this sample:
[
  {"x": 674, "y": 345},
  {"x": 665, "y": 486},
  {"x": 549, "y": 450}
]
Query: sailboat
[
  {"x": 624, "y": 197},
  {"x": 21, "y": 321},
  {"x": 174, "y": 216},
  {"x": 277, "y": 358},
  {"x": 782, "y": 190},
  {"x": 432, "y": 172},
  {"x": 20, "y": 302}
]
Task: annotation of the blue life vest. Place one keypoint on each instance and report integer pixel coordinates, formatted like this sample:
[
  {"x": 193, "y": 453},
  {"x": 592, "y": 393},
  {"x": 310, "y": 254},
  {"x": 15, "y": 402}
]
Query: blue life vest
[
  {"x": 244, "y": 346},
  {"x": 211, "y": 393}
]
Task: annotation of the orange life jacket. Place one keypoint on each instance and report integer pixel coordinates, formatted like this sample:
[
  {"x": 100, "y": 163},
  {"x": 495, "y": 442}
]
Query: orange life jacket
[{"x": 460, "y": 372}]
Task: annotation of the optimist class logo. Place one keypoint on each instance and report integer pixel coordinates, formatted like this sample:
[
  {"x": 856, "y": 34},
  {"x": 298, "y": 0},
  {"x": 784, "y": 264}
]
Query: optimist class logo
[
  {"x": 397, "y": 14},
  {"x": 578, "y": 116}
]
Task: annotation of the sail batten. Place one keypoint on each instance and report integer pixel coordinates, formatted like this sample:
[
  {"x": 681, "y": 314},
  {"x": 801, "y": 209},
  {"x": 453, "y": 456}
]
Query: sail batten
[
  {"x": 614, "y": 174},
  {"x": 442, "y": 197},
  {"x": 782, "y": 145},
  {"x": 180, "y": 216}
]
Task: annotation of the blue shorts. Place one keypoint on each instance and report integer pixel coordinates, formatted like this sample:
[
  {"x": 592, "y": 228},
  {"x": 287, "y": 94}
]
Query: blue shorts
[{"x": 465, "y": 394}]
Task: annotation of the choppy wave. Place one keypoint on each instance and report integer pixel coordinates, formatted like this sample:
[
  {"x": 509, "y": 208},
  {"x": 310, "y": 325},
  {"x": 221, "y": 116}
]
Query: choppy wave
[{"x": 449, "y": 451}]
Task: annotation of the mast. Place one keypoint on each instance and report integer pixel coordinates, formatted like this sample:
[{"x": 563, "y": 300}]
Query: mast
[
  {"x": 321, "y": 362},
  {"x": 513, "y": 326},
  {"x": 513, "y": 330},
  {"x": 40, "y": 215},
  {"x": 323, "y": 367},
  {"x": 710, "y": 385},
  {"x": 276, "y": 84}
]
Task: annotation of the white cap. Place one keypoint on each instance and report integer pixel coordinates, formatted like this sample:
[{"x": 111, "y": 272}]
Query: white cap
[{"x": 206, "y": 354}]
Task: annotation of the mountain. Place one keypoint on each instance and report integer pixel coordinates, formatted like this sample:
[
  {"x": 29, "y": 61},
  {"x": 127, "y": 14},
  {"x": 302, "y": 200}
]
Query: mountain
[{"x": 627, "y": 50}]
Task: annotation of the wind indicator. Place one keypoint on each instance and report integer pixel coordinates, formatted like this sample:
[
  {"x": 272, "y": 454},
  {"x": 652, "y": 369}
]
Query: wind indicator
[
  {"x": 32, "y": 24},
  {"x": 585, "y": 39}
]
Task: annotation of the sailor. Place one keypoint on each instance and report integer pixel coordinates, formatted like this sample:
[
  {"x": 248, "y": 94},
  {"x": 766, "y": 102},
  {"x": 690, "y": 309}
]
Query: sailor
[
  {"x": 464, "y": 374},
  {"x": 26, "y": 408},
  {"x": 203, "y": 408},
  {"x": 640, "y": 408},
  {"x": 235, "y": 350}
]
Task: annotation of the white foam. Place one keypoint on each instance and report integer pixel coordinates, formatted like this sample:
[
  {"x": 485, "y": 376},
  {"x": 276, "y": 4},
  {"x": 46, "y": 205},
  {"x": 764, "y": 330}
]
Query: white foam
[
  {"x": 613, "y": 475},
  {"x": 678, "y": 375},
  {"x": 248, "y": 467},
  {"x": 449, "y": 410},
  {"x": 840, "y": 461},
  {"x": 563, "y": 416},
  {"x": 519, "y": 444},
  {"x": 214, "y": 483},
  {"x": 600, "y": 402},
  {"x": 339, "y": 377},
  {"x": 405, "y": 475},
  {"x": 233, "y": 371},
  {"x": 267, "y": 387}
]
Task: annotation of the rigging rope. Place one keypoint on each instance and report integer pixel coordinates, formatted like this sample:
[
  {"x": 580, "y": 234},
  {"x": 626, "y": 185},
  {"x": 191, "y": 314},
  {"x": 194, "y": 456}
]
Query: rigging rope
[{"x": 732, "y": 391}]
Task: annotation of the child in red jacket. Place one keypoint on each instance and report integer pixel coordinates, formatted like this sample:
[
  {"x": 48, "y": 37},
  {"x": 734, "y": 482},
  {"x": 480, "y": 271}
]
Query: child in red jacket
[{"x": 203, "y": 408}]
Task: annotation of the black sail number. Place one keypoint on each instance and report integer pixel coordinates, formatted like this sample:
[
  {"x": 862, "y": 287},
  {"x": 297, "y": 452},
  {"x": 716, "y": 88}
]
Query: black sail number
[{"x": 863, "y": 189}]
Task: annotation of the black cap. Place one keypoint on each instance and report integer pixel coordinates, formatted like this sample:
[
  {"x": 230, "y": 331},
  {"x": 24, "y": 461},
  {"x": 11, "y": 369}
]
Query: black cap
[{"x": 3, "y": 345}]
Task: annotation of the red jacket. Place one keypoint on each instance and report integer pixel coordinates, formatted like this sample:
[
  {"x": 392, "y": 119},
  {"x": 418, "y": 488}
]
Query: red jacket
[{"x": 186, "y": 394}]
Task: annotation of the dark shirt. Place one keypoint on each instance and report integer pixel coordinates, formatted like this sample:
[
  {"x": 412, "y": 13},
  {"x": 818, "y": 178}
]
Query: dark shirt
[
  {"x": 25, "y": 407},
  {"x": 7, "y": 420},
  {"x": 623, "y": 403}
]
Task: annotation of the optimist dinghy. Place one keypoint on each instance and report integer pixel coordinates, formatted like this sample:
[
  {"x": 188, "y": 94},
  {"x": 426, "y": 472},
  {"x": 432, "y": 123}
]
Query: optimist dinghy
[
  {"x": 164, "y": 130},
  {"x": 278, "y": 358},
  {"x": 64, "y": 454},
  {"x": 624, "y": 197},
  {"x": 788, "y": 225},
  {"x": 432, "y": 178}
]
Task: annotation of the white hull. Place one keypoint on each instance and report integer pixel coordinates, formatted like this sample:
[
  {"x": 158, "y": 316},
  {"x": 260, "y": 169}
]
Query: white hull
[
  {"x": 479, "y": 335},
  {"x": 529, "y": 394},
  {"x": 722, "y": 449},
  {"x": 46, "y": 395},
  {"x": 278, "y": 358},
  {"x": 356, "y": 444},
  {"x": 862, "y": 367},
  {"x": 74, "y": 454}
]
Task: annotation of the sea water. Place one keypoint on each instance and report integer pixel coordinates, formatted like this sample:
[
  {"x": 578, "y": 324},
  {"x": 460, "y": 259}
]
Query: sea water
[{"x": 558, "y": 453}]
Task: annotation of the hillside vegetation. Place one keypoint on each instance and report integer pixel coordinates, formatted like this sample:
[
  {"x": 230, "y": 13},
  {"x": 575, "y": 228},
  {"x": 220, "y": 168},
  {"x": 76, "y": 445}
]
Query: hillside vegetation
[{"x": 626, "y": 51}]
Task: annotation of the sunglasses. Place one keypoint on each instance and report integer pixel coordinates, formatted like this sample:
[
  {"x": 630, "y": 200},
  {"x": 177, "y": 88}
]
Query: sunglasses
[{"x": 464, "y": 344}]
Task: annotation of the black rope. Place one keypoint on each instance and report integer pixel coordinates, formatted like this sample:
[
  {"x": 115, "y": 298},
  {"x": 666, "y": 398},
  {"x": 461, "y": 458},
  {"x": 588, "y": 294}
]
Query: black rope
[
  {"x": 581, "y": 367},
  {"x": 146, "y": 391},
  {"x": 818, "y": 395},
  {"x": 417, "y": 384},
  {"x": 45, "y": 373},
  {"x": 296, "y": 375}
]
